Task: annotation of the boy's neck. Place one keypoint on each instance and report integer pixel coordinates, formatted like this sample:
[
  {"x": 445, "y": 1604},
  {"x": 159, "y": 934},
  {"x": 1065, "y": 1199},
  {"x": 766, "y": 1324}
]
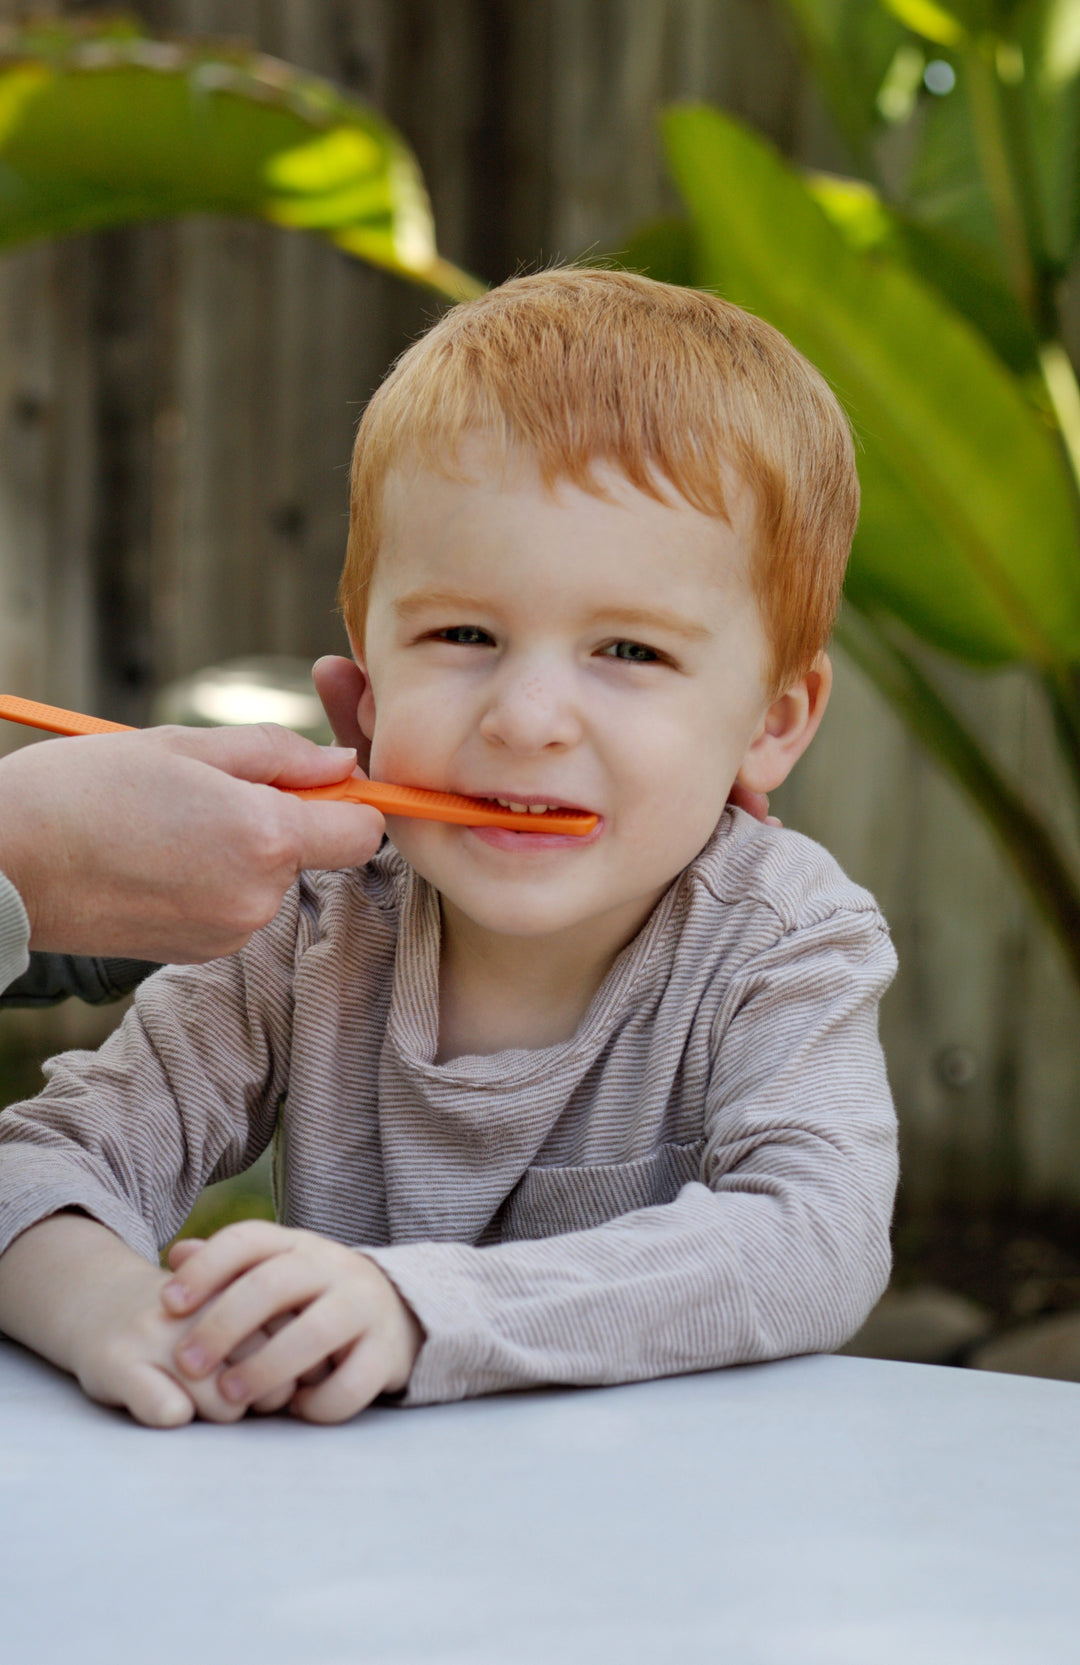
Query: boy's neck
[{"x": 500, "y": 992}]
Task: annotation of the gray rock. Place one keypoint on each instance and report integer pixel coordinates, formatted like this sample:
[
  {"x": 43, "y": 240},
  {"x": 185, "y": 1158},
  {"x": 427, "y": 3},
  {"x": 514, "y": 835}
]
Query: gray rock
[
  {"x": 1047, "y": 1347},
  {"x": 923, "y": 1326}
]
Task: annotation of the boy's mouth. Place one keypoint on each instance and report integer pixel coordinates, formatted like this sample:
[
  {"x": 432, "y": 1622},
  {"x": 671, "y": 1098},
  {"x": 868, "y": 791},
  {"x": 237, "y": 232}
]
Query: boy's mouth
[
  {"x": 531, "y": 803},
  {"x": 527, "y": 805},
  {"x": 535, "y": 806}
]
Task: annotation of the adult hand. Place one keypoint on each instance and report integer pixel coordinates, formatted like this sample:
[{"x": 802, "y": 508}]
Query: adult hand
[
  {"x": 170, "y": 843},
  {"x": 348, "y": 1335}
]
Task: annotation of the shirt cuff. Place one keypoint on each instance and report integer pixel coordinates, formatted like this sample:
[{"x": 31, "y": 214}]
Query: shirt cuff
[{"x": 14, "y": 934}]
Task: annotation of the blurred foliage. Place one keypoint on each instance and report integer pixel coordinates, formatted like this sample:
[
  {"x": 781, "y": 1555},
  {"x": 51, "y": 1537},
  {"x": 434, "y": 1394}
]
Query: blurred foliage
[
  {"x": 101, "y": 125},
  {"x": 929, "y": 289}
]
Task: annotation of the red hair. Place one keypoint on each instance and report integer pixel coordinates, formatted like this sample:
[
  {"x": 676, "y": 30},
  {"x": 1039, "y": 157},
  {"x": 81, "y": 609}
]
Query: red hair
[{"x": 575, "y": 366}]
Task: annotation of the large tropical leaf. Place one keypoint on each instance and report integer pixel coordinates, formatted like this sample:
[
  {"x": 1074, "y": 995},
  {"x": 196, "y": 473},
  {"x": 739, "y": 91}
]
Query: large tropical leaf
[
  {"x": 1050, "y": 39},
  {"x": 951, "y": 22},
  {"x": 852, "y": 46},
  {"x": 101, "y": 127},
  {"x": 1031, "y": 52},
  {"x": 967, "y": 531},
  {"x": 962, "y": 273}
]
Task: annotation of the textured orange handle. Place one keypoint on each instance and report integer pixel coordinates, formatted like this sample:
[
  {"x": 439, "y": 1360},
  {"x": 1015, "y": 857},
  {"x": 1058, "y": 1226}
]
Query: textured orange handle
[
  {"x": 51, "y": 717},
  {"x": 414, "y": 801}
]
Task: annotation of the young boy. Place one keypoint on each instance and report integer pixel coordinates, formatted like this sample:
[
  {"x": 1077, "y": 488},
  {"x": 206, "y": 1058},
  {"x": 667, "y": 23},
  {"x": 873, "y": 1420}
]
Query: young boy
[{"x": 545, "y": 1109}]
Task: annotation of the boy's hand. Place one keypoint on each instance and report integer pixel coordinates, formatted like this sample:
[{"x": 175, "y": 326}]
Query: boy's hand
[
  {"x": 72, "y": 1291},
  {"x": 123, "y": 1355},
  {"x": 347, "y": 1335},
  {"x": 754, "y": 803},
  {"x": 339, "y": 683}
]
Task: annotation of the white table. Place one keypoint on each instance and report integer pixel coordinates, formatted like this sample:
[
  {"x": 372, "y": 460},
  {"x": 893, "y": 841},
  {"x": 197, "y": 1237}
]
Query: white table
[{"x": 823, "y": 1511}]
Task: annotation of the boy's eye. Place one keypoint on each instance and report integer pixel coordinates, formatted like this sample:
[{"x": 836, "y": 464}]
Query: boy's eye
[
  {"x": 636, "y": 652},
  {"x": 465, "y": 635}
]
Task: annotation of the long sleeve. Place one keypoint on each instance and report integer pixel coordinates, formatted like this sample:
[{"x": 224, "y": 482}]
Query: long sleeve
[
  {"x": 14, "y": 934},
  {"x": 185, "y": 1091},
  {"x": 780, "y": 1245}
]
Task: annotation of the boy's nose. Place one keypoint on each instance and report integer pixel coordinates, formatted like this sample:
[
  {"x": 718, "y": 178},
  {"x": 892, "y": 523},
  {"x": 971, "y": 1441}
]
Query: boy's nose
[{"x": 531, "y": 709}]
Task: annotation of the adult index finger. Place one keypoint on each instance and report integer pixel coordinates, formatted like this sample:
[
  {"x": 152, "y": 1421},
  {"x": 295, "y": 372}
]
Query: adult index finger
[{"x": 263, "y": 753}]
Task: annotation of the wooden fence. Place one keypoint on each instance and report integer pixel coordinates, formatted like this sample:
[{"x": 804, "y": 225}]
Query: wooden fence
[{"x": 177, "y": 405}]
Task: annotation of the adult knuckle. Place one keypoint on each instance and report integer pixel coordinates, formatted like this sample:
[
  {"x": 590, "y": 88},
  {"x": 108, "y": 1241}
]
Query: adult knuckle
[
  {"x": 272, "y": 840},
  {"x": 173, "y": 735}
]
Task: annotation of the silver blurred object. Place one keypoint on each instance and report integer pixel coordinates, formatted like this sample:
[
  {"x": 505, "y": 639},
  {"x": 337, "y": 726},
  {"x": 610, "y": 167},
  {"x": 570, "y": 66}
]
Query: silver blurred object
[{"x": 264, "y": 688}]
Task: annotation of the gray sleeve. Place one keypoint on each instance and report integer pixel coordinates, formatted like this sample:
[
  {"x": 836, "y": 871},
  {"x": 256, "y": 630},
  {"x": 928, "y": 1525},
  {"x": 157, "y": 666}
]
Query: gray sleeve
[
  {"x": 14, "y": 934},
  {"x": 51, "y": 978},
  {"x": 781, "y": 1246},
  {"x": 184, "y": 1092}
]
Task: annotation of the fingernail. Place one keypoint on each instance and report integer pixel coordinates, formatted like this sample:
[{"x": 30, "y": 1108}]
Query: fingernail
[
  {"x": 340, "y": 751},
  {"x": 233, "y": 1388},
  {"x": 175, "y": 1295},
  {"x": 191, "y": 1356}
]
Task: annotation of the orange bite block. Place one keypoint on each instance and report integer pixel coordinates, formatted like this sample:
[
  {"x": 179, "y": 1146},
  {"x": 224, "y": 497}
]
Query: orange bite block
[{"x": 414, "y": 801}]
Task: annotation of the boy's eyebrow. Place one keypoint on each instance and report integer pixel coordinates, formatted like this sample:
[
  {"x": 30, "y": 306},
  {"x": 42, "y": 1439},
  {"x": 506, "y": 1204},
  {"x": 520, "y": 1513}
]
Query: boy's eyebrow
[
  {"x": 421, "y": 601},
  {"x": 652, "y": 618},
  {"x": 626, "y": 618}
]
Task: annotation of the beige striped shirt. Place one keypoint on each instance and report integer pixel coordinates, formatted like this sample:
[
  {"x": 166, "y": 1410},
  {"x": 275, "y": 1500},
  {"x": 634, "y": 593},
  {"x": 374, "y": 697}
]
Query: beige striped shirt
[{"x": 703, "y": 1175}]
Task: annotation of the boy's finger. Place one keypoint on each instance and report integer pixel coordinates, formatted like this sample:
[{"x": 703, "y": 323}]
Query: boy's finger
[
  {"x": 248, "y": 1305},
  {"x": 359, "y": 1378},
  {"x": 220, "y": 1259},
  {"x": 182, "y": 1252},
  {"x": 319, "y": 1332},
  {"x": 155, "y": 1399},
  {"x": 339, "y": 683}
]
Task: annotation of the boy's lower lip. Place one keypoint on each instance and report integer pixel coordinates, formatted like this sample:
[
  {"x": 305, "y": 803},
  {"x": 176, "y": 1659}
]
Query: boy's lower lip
[{"x": 502, "y": 838}]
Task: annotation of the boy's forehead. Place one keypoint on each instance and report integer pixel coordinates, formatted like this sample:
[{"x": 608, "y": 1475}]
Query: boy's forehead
[{"x": 498, "y": 495}]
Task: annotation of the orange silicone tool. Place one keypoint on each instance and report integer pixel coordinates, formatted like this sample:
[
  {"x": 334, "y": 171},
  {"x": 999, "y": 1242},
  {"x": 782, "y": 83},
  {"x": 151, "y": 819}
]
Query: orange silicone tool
[{"x": 414, "y": 801}]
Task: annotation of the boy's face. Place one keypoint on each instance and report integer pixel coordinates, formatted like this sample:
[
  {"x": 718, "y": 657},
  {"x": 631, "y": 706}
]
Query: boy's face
[{"x": 563, "y": 650}]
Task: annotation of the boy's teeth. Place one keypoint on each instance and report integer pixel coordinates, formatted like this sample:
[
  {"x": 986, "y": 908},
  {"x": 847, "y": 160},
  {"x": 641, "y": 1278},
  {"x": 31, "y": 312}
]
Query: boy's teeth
[{"x": 522, "y": 809}]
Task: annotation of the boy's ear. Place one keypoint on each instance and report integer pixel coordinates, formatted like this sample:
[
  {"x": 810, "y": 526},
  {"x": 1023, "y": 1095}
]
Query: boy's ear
[{"x": 787, "y": 729}]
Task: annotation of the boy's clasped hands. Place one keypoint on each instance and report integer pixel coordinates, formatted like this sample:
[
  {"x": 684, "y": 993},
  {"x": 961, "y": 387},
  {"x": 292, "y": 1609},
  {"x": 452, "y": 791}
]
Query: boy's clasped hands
[{"x": 258, "y": 1317}]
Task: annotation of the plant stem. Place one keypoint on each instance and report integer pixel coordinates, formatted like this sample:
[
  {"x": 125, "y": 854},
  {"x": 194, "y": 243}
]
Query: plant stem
[
  {"x": 1026, "y": 839},
  {"x": 1060, "y": 379},
  {"x": 1001, "y": 139}
]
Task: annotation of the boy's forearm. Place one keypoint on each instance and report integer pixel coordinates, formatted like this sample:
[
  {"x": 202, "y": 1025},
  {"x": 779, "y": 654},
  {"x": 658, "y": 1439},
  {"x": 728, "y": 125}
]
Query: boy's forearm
[{"x": 53, "y": 1278}]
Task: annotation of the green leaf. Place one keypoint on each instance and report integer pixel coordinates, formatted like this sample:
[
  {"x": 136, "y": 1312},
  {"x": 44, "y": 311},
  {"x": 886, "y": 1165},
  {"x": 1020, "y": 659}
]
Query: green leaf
[
  {"x": 852, "y": 46},
  {"x": 963, "y": 274},
  {"x": 663, "y": 249},
  {"x": 927, "y": 18},
  {"x": 104, "y": 126},
  {"x": 1050, "y": 39},
  {"x": 944, "y": 187},
  {"x": 1028, "y": 842},
  {"x": 967, "y": 531},
  {"x": 952, "y": 22}
]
